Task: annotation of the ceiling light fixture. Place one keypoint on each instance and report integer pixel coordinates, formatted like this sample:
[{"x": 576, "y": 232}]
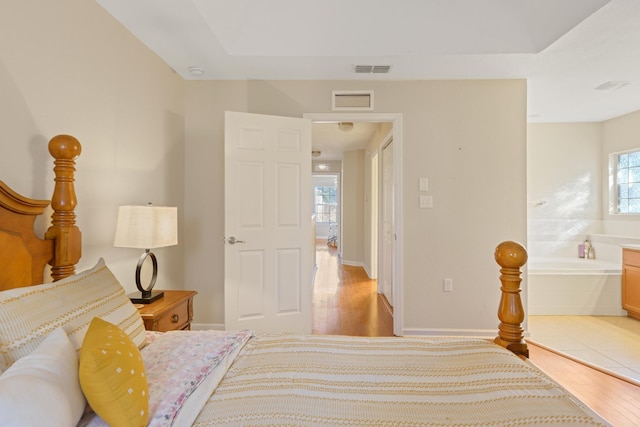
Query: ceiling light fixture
[
  {"x": 322, "y": 167},
  {"x": 345, "y": 126},
  {"x": 315, "y": 153},
  {"x": 196, "y": 71}
]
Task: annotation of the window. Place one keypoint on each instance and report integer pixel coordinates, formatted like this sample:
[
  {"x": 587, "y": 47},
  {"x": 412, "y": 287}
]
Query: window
[
  {"x": 326, "y": 203},
  {"x": 627, "y": 172}
]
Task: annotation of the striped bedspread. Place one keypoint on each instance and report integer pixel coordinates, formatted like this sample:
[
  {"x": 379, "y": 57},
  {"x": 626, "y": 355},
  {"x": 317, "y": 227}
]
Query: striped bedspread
[{"x": 352, "y": 381}]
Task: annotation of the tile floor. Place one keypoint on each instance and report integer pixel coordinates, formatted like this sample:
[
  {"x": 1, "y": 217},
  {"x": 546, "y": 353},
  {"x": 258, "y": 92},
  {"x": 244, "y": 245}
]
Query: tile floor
[{"x": 608, "y": 342}]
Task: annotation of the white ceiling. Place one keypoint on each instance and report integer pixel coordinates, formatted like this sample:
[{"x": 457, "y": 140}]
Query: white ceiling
[
  {"x": 564, "y": 48},
  {"x": 332, "y": 142}
]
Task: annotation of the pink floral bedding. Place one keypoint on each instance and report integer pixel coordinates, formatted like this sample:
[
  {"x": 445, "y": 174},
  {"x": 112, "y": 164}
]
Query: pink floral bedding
[{"x": 176, "y": 363}]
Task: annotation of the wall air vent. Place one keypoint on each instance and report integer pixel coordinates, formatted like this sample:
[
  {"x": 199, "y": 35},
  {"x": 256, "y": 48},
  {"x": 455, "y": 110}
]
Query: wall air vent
[
  {"x": 375, "y": 69},
  {"x": 352, "y": 100}
]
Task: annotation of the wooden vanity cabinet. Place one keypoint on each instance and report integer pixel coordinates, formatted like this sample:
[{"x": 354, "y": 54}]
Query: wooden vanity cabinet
[{"x": 631, "y": 282}]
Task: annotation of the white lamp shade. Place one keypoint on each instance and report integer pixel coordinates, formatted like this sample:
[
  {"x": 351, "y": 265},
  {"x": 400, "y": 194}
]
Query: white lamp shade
[{"x": 146, "y": 227}]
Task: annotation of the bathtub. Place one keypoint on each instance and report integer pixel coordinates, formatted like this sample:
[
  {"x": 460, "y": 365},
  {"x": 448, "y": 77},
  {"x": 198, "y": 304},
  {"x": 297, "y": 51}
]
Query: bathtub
[{"x": 574, "y": 286}]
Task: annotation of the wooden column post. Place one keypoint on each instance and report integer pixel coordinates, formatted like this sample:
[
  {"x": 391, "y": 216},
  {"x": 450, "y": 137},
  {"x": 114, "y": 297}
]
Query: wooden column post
[
  {"x": 511, "y": 256},
  {"x": 67, "y": 238}
]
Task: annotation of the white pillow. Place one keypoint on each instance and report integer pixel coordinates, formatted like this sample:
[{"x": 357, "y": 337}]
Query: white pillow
[
  {"x": 29, "y": 314},
  {"x": 43, "y": 387}
]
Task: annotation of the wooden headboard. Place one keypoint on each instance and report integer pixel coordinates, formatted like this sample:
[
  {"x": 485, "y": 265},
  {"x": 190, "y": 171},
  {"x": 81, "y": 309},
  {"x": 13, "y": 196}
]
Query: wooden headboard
[{"x": 23, "y": 255}]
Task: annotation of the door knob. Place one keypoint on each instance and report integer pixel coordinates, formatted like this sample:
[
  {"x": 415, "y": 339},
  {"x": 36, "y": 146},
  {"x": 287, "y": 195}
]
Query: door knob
[{"x": 233, "y": 241}]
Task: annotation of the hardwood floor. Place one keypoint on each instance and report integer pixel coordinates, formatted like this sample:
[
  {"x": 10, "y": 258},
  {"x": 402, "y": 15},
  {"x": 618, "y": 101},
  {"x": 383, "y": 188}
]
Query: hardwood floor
[
  {"x": 615, "y": 400},
  {"x": 345, "y": 302}
]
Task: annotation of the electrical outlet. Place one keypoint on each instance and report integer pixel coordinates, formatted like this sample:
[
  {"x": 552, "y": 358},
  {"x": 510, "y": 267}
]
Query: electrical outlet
[{"x": 448, "y": 285}]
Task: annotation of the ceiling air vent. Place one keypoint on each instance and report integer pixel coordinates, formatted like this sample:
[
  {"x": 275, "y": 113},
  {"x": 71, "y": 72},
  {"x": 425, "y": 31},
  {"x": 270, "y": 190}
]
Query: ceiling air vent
[
  {"x": 376, "y": 69},
  {"x": 351, "y": 100},
  {"x": 612, "y": 85}
]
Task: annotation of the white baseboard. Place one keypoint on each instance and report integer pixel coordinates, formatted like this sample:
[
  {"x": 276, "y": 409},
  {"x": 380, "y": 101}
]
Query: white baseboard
[
  {"x": 479, "y": 333},
  {"x": 352, "y": 263},
  {"x": 475, "y": 333},
  {"x": 207, "y": 326},
  {"x": 366, "y": 270}
]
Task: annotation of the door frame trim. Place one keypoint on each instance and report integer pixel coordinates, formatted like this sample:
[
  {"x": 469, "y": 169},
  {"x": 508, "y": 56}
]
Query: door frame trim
[{"x": 396, "y": 120}]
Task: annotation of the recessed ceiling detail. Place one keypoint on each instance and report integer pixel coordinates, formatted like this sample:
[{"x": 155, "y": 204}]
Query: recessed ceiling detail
[{"x": 562, "y": 48}]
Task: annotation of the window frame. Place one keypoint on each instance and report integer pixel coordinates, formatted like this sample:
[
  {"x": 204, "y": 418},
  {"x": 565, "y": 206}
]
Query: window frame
[
  {"x": 631, "y": 181},
  {"x": 333, "y": 206}
]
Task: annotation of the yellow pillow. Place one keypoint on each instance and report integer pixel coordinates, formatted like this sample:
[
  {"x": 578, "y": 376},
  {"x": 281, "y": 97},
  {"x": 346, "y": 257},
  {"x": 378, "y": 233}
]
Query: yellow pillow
[{"x": 112, "y": 375}]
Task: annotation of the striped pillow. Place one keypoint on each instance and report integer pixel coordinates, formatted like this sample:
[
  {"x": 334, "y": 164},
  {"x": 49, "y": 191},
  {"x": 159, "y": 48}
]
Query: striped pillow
[{"x": 29, "y": 314}]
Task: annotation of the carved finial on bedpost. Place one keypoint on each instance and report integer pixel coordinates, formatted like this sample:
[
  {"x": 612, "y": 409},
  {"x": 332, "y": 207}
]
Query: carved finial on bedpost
[
  {"x": 511, "y": 256},
  {"x": 66, "y": 235}
]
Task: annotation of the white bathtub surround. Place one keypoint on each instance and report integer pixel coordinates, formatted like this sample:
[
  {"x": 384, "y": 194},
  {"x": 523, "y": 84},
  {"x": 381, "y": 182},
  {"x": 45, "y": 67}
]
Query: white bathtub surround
[
  {"x": 559, "y": 238},
  {"x": 627, "y": 228},
  {"x": 611, "y": 245},
  {"x": 572, "y": 266},
  {"x": 574, "y": 286},
  {"x": 561, "y": 283}
]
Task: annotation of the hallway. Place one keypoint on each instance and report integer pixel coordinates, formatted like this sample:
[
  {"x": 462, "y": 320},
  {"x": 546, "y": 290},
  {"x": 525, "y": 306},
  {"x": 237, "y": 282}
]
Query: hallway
[{"x": 345, "y": 300}]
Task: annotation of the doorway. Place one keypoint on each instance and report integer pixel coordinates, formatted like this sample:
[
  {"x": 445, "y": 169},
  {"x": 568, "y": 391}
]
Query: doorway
[{"x": 374, "y": 235}]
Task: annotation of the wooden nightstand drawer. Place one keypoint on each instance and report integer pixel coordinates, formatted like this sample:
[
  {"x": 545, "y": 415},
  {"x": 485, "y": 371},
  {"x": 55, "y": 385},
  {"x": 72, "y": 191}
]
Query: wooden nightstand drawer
[
  {"x": 172, "y": 312},
  {"x": 176, "y": 318}
]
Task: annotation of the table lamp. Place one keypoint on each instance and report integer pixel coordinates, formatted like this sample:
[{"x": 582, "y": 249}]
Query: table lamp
[{"x": 146, "y": 227}]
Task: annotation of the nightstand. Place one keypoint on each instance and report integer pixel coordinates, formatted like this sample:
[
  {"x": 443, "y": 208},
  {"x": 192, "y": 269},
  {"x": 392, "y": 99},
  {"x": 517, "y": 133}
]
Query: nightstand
[{"x": 171, "y": 312}]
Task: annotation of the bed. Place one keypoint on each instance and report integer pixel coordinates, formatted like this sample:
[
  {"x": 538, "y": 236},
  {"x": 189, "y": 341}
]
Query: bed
[{"x": 74, "y": 351}]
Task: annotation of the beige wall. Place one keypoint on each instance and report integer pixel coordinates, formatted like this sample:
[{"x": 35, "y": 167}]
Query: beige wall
[
  {"x": 467, "y": 137},
  {"x": 68, "y": 67},
  {"x": 568, "y": 169},
  {"x": 564, "y": 186},
  {"x": 353, "y": 207},
  {"x": 619, "y": 134}
]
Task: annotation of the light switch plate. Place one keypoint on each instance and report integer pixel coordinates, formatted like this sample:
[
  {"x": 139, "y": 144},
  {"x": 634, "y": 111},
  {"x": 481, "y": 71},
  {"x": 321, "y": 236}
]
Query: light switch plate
[{"x": 424, "y": 184}]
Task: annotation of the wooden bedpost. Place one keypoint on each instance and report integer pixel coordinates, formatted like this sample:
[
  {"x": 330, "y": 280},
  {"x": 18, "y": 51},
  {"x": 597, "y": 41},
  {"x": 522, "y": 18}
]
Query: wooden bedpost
[
  {"x": 511, "y": 256},
  {"x": 67, "y": 238}
]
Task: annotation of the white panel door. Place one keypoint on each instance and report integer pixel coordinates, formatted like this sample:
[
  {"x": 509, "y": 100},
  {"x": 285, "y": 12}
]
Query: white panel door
[{"x": 268, "y": 208}]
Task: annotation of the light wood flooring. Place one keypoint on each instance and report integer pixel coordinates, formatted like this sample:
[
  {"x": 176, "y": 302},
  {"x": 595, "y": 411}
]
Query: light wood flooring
[
  {"x": 345, "y": 302},
  {"x": 615, "y": 400}
]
